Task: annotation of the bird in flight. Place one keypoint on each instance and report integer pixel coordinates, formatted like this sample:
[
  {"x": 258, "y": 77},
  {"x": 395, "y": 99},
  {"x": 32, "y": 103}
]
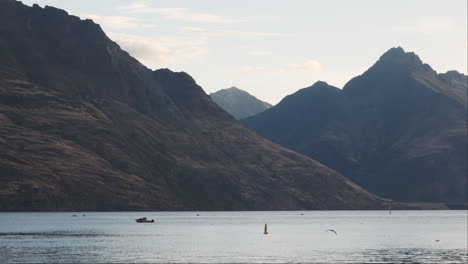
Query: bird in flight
[{"x": 331, "y": 230}]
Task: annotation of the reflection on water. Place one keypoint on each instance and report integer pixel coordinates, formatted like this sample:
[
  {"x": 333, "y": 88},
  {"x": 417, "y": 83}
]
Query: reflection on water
[
  {"x": 236, "y": 237},
  {"x": 415, "y": 255},
  {"x": 56, "y": 234}
]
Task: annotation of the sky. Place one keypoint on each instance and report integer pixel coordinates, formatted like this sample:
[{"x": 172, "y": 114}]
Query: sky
[{"x": 272, "y": 48}]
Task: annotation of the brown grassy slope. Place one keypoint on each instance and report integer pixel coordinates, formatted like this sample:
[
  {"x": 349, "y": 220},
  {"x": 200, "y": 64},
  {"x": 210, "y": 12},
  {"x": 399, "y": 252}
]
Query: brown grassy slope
[{"x": 84, "y": 126}]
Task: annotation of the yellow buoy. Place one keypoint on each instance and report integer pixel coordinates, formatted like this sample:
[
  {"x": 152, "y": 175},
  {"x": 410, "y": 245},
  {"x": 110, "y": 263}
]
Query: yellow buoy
[{"x": 266, "y": 230}]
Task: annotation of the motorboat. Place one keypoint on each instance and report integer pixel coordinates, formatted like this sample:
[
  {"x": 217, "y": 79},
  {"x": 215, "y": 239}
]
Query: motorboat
[{"x": 144, "y": 220}]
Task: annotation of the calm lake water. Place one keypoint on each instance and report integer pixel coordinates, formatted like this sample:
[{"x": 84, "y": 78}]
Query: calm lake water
[{"x": 235, "y": 237}]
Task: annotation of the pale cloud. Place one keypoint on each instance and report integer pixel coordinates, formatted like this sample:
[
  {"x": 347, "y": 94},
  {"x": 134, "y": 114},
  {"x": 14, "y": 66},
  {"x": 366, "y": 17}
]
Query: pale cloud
[
  {"x": 184, "y": 14},
  {"x": 258, "y": 18},
  {"x": 118, "y": 22},
  {"x": 308, "y": 66},
  {"x": 156, "y": 51},
  {"x": 190, "y": 52},
  {"x": 431, "y": 25},
  {"x": 230, "y": 33},
  {"x": 175, "y": 13},
  {"x": 253, "y": 69},
  {"x": 144, "y": 49},
  {"x": 259, "y": 52},
  {"x": 133, "y": 6}
]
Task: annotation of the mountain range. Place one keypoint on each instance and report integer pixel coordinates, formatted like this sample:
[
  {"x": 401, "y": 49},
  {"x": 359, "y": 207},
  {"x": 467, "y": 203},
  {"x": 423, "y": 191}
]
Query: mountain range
[
  {"x": 398, "y": 130},
  {"x": 239, "y": 103},
  {"x": 85, "y": 126}
]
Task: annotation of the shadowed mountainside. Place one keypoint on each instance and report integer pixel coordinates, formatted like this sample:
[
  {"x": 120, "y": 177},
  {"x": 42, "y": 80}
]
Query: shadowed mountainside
[
  {"x": 398, "y": 130},
  {"x": 239, "y": 103},
  {"x": 84, "y": 126}
]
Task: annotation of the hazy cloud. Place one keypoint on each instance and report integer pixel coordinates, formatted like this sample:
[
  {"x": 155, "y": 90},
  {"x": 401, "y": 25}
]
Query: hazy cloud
[
  {"x": 253, "y": 69},
  {"x": 430, "y": 25},
  {"x": 118, "y": 22},
  {"x": 309, "y": 65},
  {"x": 185, "y": 14},
  {"x": 151, "y": 51},
  {"x": 231, "y": 33},
  {"x": 133, "y": 6},
  {"x": 259, "y": 52}
]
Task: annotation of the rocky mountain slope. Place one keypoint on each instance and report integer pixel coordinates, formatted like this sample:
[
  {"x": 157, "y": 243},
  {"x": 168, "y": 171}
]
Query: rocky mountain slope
[
  {"x": 239, "y": 103},
  {"x": 398, "y": 130},
  {"x": 84, "y": 126}
]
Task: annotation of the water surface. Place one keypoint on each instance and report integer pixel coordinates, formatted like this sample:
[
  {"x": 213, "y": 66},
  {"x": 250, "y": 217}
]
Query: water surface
[{"x": 235, "y": 237}]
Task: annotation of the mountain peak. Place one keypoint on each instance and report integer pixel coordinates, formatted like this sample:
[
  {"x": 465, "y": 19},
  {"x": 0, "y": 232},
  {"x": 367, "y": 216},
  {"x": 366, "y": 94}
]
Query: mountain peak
[
  {"x": 239, "y": 103},
  {"x": 319, "y": 84},
  {"x": 233, "y": 89},
  {"x": 400, "y": 57},
  {"x": 454, "y": 75},
  {"x": 395, "y": 50}
]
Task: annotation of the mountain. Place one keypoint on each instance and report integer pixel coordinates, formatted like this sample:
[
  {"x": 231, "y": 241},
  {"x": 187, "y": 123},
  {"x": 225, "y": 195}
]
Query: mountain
[
  {"x": 84, "y": 126},
  {"x": 398, "y": 130},
  {"x": 240, "y": 104}
]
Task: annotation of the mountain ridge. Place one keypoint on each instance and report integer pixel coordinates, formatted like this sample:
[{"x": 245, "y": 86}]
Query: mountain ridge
[
  {"x": 396, "y": 130},
  {"x": 84, "y": 126}
]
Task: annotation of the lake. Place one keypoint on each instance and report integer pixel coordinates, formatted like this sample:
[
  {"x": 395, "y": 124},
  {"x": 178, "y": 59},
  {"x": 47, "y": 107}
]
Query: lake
[{"x": 235, "y": 237}]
